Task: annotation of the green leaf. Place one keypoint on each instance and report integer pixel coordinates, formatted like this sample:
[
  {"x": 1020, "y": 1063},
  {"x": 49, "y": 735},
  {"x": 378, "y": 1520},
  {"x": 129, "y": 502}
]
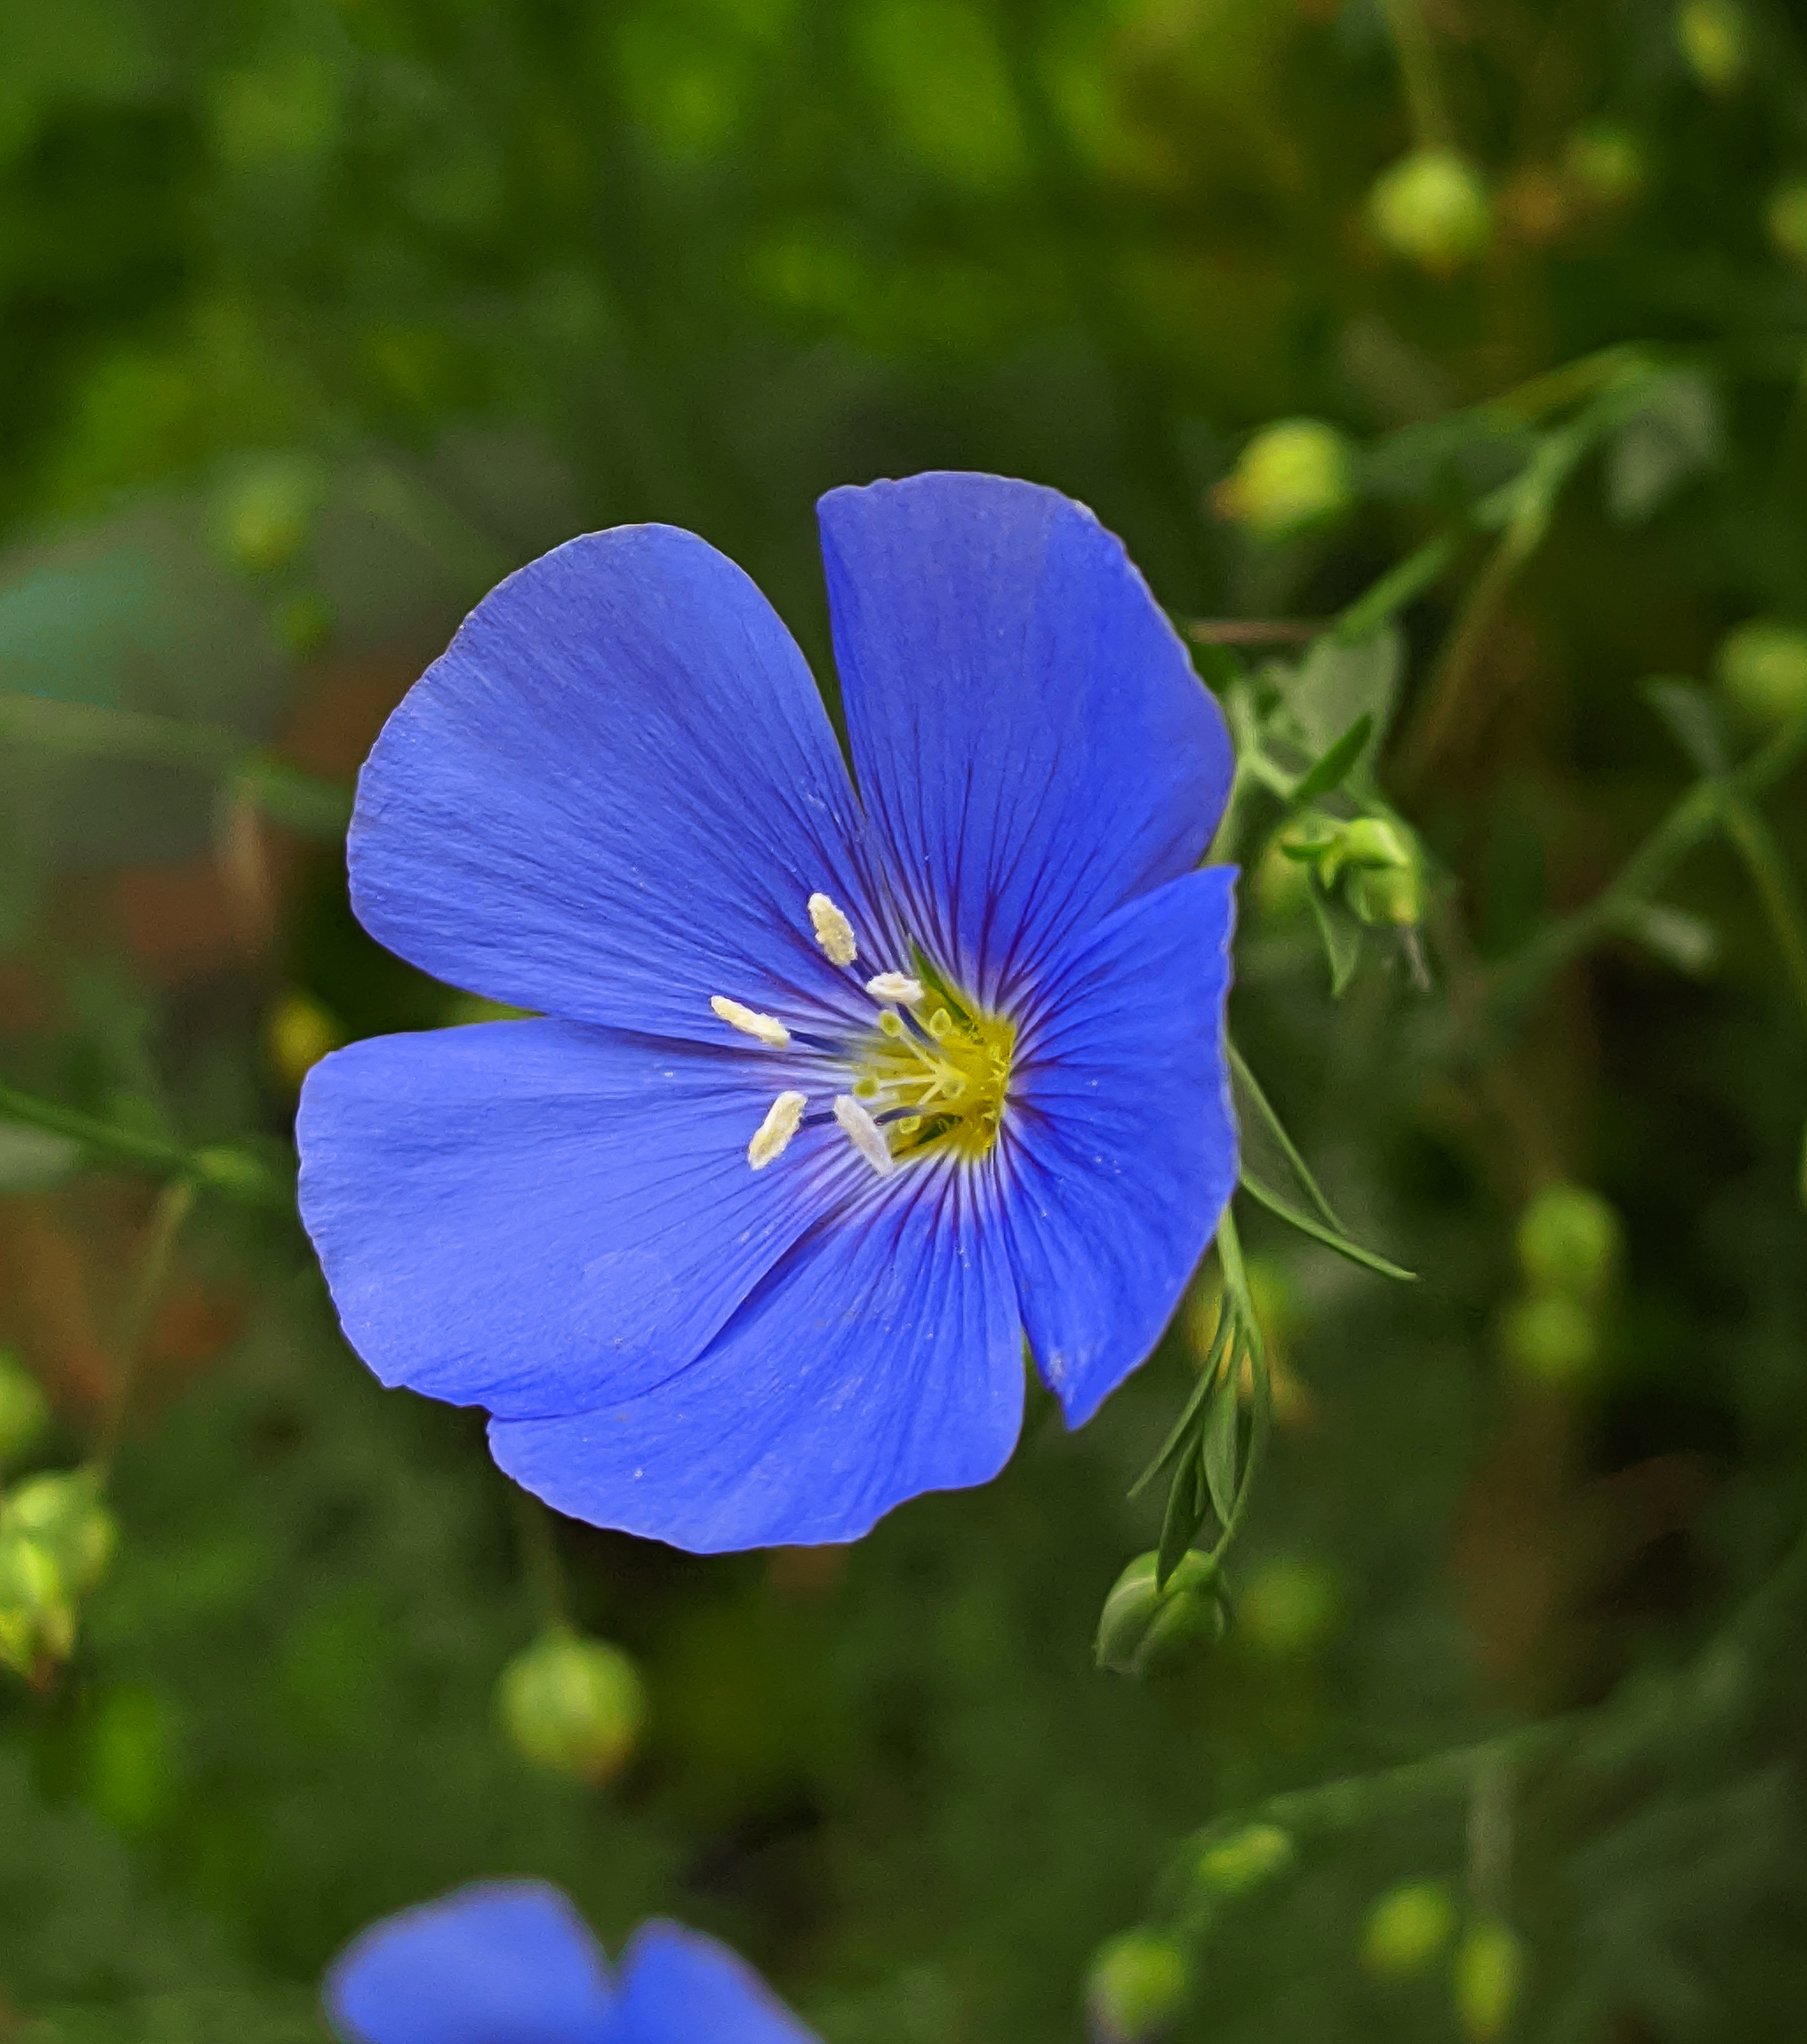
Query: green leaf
[
  {"x": 1188, "y": 1504},
  {"x": 1687, "y": 943},
  {"x": 1693, "y": 719},
  {"x": 1334, "y": 767},
  {"x": 1274, "y": 1173},
  {"x": 35, "y": 1160},
  {"x": 1674, "y": 435},
  {"x": 1342, "y": 938},
  {"x": 1190, "y": 1413},
  {"x": 1219, "y": 1452},
  {"x": 1338, "y": 683}
]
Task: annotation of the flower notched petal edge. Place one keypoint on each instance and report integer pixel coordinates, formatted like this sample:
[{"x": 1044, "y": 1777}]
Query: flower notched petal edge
[{"x": 985, "y": 992}]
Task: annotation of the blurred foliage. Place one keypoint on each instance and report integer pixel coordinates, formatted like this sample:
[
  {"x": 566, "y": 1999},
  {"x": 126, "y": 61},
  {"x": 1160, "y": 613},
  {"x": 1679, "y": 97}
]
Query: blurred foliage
[{"x": 1444, "y": 365}]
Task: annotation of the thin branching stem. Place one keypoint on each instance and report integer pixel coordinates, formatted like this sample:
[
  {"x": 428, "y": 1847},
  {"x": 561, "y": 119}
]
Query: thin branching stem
[{"x": 174, "y": 1205}]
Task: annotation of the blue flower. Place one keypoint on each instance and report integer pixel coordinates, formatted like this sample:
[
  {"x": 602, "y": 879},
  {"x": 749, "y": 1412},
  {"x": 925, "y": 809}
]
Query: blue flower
[
  {"x": 510, "y": 1962},
  {"x": 838, "y": 1095}
]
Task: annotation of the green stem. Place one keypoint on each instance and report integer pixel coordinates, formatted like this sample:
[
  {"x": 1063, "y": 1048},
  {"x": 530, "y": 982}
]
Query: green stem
[
  {"x": 1755, "y": 843},
  {"x": 174, "y": 1205},
  {"x": 539, "y": 1551},
  {"x": 1418, "y": 71},
  {"x": 1420, "y": 570},
  {"x": 223, "y": 1169}
]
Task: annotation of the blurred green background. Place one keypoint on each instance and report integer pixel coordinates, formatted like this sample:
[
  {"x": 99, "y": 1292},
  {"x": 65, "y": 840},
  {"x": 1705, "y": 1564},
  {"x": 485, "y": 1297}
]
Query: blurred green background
[{"x": 315, "y": 319}]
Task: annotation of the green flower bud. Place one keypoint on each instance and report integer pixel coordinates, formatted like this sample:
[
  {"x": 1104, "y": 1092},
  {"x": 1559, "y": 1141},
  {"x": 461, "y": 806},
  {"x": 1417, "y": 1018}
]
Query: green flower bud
[
  {"x": 1432, "y": 208},
  {"x": 1489, "y": 1967},
  {"x": 298, "y": 1032},
  {"x": 24, "y": 1415},
  {"x": 1762, "y": 666},
  {"x": 1292, "y": 476},
  {"x": 1407, "y": 1929},
  {"x": 572, "y": 1706},
  {"x": 1142, "y": 1631},
  {"x": 1551, "y": 1339},
  {"x": 1290, "y": 1608},
  {"x": 1138, "y": 1982},
  {"x": 1246, "y": 1860},
  {"x": 1393, "y": 896},
  {"x": 1785, "y": 217},
  {"x": 62, "y": 1512},
  {"x": 1605, "y": 164},
  {"x": 305, "y": 623},
  {"x": 1568, "y": 1242},
  {"x": 1714, "y": 41},
  {"x": 262, "y": 518},
  {"x": 37, "y": 1615}
]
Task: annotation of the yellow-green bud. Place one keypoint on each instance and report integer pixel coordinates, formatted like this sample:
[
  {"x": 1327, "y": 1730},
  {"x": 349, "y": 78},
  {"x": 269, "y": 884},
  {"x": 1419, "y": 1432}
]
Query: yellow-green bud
[
  {"x": 1137, "y": 1983},
  {"x": 1551, "y": 1339},
  {"x": 1392, "y": 895},
  {"x": 262, "y": 517},
  {"x": 1762, "y": 666},
  {"x": 1432, "y": 208},
  {"x": 1605, "y": 164},
  {"x": 62, "y": 1512},
  {"x": 572, "y": 1706},
  {"x": 1290, "y": 1608},
  {"x": 1246, "y": 1860},
  {"x": 37, "y": 1614},
  {"x": 1785, "y": 217},
  {"x": 298, "y": 1032},
  {"x": 305, "y": 622},
  {"x": 23, "y": 1414},
  {"x": 1293, "y": 476},
  {"x": 1407, "y": 1929},
  {"x": 1568, "y": 1242},
  {"x": 1714, "y": 40},
  {"x": 1144, "y": 1631},
  {"x": 1489, "y": 1967}
]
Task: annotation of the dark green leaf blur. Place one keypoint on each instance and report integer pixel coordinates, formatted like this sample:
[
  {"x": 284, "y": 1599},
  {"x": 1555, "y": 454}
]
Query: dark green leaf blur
[{"x": 1444, "y": 364}]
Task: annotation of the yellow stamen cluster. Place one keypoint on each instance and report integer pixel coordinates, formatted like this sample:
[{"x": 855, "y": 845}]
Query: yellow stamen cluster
[{"x": 952, "y": 1086}]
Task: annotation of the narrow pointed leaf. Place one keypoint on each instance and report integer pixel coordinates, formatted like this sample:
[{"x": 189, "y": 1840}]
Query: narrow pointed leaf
[
  {"x": 1222, "y": 1432},
  {"x": 1190, "y": 1412},
  {"x": 1331, "y": 1238},
  {"x": 1333, "y": 767},
  {"x": 1186, "y": 1510}
]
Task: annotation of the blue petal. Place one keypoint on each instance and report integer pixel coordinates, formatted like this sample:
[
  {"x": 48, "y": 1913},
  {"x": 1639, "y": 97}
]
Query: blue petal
[
  {"x": 505, "y": 1962},
  {"x": 612, "y": 796},
  {"x": 1122, "y": 1146},
  {"x": 680, "y": 1987},
  {"x": 881, "y": 1357},
  {"x": 533, "y": 1216},
  {"x": 1027, "y": 729}
]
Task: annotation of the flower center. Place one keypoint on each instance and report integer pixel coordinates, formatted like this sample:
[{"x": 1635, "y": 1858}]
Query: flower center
[
  {"x": 937, "y": 1076},
  {"x": 931, "y": 1074}
]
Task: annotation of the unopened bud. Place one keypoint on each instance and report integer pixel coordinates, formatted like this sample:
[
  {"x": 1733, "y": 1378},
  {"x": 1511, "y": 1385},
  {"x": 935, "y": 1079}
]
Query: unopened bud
[
  {"x": 62, "y": 1512},
  {"x": 1145, "y": 1631},
  {"x": 1407, "y": 1929},
  {"x": 24, "y": 1415},
  {"x": 1137, "y": 1983},
  {"x": 1432, "y": 208},
  {"x": 1714, "y": 41},
  {"x": 298, "y": 1032},
  {"x": 1762, "y": 666},
  {"x": 1568, "y": 1242},
  {"x": 37, "y": 1614},
  {"x": 572, "y": 1705},
  {"x": 1551, "y": 1339},
  {"x": 1785, "y": 217},
  {"x": 1489, "y": 1967},
  {"x": 263, "y": 516},
  {"x": 1605, "y": 165},
  {"x": 1293, "y": 476},
  {"x": 1392, "y": 895},
  {"x": 1245, "y": 1859}
]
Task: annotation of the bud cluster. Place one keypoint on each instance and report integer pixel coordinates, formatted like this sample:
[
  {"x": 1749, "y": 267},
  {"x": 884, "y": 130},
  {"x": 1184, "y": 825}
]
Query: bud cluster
[
  {"x": 1377, "y": 859},
  {"x": 1411, "y": 1927},
  {"x": 1568, "y": 1244},
  {"x": 57, "y": 1538}
]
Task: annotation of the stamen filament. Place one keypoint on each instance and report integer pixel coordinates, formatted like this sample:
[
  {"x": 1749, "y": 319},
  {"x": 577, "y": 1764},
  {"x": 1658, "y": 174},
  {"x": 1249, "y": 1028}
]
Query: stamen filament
[
  {"x": 773, "y": 1136},
  {"x": 766, "y": 1028}
]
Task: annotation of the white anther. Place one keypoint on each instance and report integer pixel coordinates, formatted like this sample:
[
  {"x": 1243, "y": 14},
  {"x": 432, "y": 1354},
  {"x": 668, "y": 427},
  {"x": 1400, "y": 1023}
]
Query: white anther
[
  {"x": 774, "y": 1134},
  {"x": 863, "y": 1133},
  {"x": 833, "y": 931},
  {"x": 895, "y": 987},
  {"x": 750, "y": 1022}
]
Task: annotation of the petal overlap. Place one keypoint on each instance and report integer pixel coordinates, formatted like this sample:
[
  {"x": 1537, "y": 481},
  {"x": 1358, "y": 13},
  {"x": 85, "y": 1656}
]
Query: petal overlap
[
  {"x": 612, "y": 795},
  {"x": 1121, "y": 1150},
  {"x": 502, "y": 1962},
  {"x": 531, "y": 1216},
  {"x": 1031, "y": 740},
  {"x": 881, "y": 1357},
  {"x": 678, "y": 1988}
]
